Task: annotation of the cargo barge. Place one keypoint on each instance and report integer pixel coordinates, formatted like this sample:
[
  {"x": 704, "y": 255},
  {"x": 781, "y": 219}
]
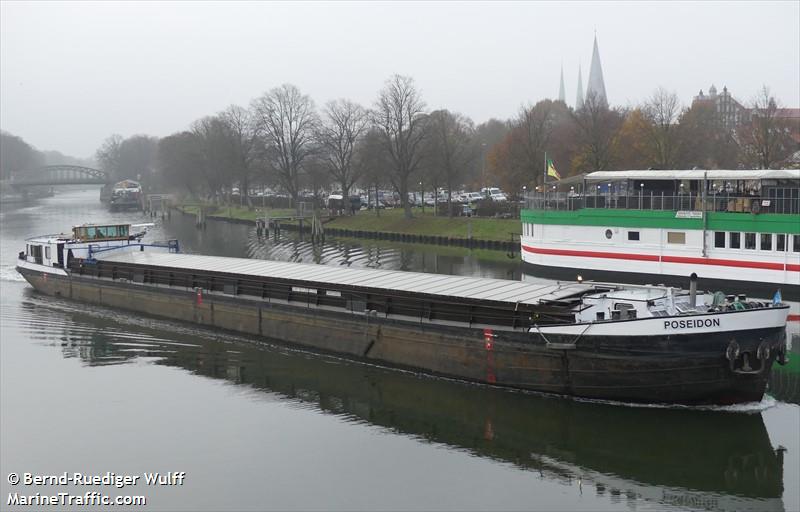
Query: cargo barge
[{"x": 591, "y": 340}]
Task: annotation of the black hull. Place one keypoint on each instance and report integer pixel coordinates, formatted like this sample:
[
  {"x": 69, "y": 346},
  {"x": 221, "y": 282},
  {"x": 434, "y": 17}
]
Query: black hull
[
  {"x": 680, "y": 369},
  {"x": 754, "y": 289}
]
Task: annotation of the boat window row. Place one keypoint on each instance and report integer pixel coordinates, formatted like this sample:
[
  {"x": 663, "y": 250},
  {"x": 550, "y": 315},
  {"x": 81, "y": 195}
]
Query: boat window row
[
  {"x": 757, "y": 241},
  {"x": 101, "y": 232},
  {"x": 527, "y": 229}
]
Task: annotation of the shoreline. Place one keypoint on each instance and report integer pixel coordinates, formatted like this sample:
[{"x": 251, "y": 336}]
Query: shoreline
[{"x": 393, "y": 236}]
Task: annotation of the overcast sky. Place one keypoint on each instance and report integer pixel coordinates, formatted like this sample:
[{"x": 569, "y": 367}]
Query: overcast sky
[{"x": 71, "y": 74}]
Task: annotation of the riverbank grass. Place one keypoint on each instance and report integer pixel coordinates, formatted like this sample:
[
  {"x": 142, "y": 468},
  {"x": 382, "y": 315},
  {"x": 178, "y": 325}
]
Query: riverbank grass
[
  {"x": 237, "y": 212},
  {"x": 393, "y": 221},
  {"x": 389, "y": 221}
]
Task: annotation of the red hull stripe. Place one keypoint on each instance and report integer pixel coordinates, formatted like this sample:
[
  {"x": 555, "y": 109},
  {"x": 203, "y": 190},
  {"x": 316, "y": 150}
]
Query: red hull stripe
[
  {"x": 793, "y": 318},
  {"x": 723, "y": 263},
  {"x": 592, "y": 254},
  {"x": 666, "y": 259}
]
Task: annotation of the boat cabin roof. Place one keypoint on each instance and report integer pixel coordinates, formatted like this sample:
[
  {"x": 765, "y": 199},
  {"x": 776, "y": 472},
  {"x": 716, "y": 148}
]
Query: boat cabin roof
[
  {"x": 49, "y": 239},
  {"x": 696, "y": 174}
]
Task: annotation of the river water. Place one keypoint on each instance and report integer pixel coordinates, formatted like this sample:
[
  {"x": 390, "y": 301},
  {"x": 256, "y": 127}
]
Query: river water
[{"x": 257, "y": 426}]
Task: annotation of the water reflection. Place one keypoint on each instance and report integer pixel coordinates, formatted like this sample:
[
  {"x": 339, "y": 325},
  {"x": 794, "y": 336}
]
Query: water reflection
[
  {"x": 784, "y": 381},
  {"x": 692, "y": 459},
  {"x": 237, "y": 240}
]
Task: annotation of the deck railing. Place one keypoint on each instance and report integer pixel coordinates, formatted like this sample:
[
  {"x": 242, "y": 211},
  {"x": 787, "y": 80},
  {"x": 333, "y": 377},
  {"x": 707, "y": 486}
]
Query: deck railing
[{"x": 662, "y": 201}]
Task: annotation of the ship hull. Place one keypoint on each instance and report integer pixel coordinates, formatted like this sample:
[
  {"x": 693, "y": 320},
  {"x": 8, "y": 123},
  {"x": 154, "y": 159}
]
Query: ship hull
[{"x": 674, "y": 368}]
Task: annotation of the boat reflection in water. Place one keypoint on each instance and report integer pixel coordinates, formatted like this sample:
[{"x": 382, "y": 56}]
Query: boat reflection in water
[
  {"x": 696, "y": 459},
  {"x": 784, "y": 381}
]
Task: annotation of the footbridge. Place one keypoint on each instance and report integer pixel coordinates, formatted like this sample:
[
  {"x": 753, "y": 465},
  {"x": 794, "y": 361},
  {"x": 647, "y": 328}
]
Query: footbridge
[{"x": 60, "y": 175}]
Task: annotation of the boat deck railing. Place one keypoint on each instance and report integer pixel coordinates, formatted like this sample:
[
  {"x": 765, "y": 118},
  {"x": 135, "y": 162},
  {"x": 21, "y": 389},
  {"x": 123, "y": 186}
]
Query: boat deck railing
[
  {"x": 657, "y": 200},
  {"x": 172, "y": 246}
]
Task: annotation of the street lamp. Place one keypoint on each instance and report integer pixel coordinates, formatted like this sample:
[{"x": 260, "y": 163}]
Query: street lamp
[
  {"x": 524, "y": 193},
  {"x": 641, "y": 195}
]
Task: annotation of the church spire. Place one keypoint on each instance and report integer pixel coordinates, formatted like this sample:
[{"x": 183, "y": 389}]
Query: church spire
[
  {"x": 561, "y": 95},
  {"x": 579, "y": 99},
  {"x": 596, "y": 86}
]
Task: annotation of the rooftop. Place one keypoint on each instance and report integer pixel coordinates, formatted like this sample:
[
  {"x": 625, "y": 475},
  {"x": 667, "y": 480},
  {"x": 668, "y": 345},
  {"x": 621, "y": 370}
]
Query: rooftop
[{"x": 696, "y": 174}]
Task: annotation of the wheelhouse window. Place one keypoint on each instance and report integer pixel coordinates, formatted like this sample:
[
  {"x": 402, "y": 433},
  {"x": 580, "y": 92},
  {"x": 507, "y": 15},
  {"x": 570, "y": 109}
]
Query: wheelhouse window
[
  {"x": 633, "y": 236},
  {"x": 676, "y": 237},
  {"x": 736, "y": 241},
  {"x": 47, "y": 252},
  {"x": 780, "y": 242},
  {"x": 719, "y": 239},
  {"x": 749, "y": 240},
  {"x": 796, "y": 243},
  {"x": 766, "y": 241}
]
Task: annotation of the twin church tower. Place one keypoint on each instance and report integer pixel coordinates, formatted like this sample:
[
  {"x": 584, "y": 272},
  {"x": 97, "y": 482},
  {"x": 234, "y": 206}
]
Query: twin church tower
[{"x": 596, "y": 86}]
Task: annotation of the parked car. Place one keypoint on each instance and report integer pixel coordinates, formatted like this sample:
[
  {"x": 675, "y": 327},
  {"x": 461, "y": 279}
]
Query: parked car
[
  {"x": 471, "y": 197},
  {"x": 499, "y": 197}
]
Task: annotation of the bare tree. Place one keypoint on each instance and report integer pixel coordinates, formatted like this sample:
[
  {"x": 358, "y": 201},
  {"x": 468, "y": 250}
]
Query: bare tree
[
  {"x": 108, "y": 155},
  {"x": 530, "y": 136},
  {"x": 662, "y": 112},
  {"x": 400, "y": 118},
  {"x": 344, "y": 124},
  {"x": 213, "y": 136},
  {"x": 179, "y": 161},
  {"x": 597, "y": 127},
  {"x": 243, "y": 131},
  {"x": 286, "y": 119},
  {"x": 17, "y": 155},
  {"x": 451, "y": 151},
  {"x": 765, "y": 137},
  {"x": 373, "y": 165}
]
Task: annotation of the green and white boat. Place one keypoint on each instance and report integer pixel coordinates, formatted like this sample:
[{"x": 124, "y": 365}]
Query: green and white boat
[{"x": 661, "y": 226}]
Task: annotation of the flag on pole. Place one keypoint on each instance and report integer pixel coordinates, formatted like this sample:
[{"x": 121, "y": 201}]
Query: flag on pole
[{"x": 551, "y": 170}]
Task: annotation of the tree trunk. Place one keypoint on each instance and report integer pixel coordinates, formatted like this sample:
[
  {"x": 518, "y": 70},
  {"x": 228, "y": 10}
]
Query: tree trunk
[
  {"x": 449, "y": 200},
  {"x": 346, "y": 199},
  {"x": 404, "y": 199}
]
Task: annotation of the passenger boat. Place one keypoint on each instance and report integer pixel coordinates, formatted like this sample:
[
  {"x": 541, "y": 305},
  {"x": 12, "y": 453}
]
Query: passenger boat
[
  {"x": 582, "y": 339},
  {"x": 126, "y": 195},
  {"x": 741, "y": 226}
]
